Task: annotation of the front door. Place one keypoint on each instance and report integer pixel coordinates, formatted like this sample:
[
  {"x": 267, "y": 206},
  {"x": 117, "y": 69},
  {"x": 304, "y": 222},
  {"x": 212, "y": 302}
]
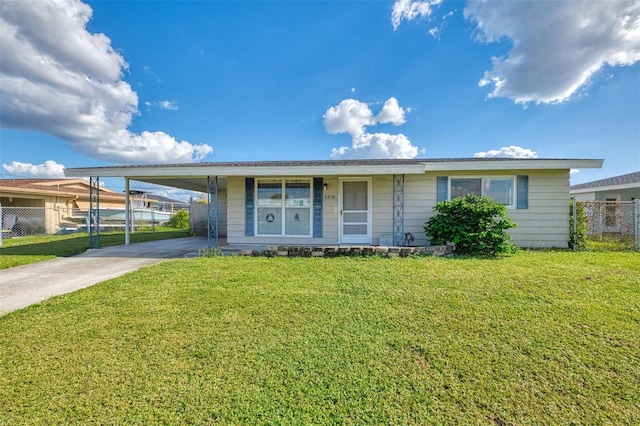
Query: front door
[{"x": 355, "y": 212}]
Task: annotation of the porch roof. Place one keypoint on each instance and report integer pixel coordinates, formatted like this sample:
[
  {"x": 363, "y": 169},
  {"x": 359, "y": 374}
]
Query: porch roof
[{"x": 193, "y": 176}]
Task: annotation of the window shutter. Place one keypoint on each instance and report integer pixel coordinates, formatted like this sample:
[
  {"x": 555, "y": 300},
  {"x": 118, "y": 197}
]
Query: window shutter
[
  {"x": 249, "y": 190},
  {"x": 523, "y": 192},
  {"x": 317, "y": 207},
  {"x": 443, "y": 191}
]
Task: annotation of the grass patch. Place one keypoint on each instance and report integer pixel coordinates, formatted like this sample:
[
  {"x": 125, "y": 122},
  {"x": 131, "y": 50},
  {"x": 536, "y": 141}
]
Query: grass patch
[
  {"x": 535, "y": 338},
  {"x": 609, "y": 242},
  {"x": 24, "y": 250}
]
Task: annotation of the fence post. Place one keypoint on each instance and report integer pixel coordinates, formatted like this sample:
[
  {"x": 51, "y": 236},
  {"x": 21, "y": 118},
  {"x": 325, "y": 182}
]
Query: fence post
[
  {"x": 574, "y": 209},
  {"x": 1, "y": 225},
  {"x": 636, "y": 224}
]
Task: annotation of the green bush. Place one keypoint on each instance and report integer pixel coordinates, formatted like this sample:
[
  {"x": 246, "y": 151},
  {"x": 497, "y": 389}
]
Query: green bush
[
  {"x": 577, "y": 236},
  {"x": 476, "y": 224},
  {"x": 179, "y": 220}
]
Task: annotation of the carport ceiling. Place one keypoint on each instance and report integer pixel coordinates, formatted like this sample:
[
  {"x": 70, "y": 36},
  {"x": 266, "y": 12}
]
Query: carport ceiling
[{"x": 192, "y": 183}]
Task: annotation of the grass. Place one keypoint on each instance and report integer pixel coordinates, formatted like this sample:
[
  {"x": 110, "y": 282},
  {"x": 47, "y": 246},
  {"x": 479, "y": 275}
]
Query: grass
[
  {"x": 24, "y": 250},
  {"x": 609, "y": 242},
  {"x": 535, "y": 338}
]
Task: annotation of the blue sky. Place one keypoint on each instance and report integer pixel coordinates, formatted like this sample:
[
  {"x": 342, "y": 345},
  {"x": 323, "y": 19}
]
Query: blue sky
[{"x": 117, "y": 82}]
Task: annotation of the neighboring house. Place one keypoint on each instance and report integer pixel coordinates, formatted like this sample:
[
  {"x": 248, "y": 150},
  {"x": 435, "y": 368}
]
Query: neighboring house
[
  {"x": 52, "y": 204},
  {"x": 608, "y": 203},
  {"x": 167, "y": 204},
  {"x": 617, "y": 188},
  {"x": 358, "y": 202}
]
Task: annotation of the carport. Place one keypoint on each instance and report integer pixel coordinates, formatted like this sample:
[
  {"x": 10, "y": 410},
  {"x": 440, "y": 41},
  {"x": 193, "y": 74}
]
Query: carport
[{"x": 209, "y": 178}]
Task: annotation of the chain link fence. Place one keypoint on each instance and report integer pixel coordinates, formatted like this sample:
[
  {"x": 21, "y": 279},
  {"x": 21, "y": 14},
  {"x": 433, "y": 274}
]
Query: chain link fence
[
  {"x": 26, "y": 221},
  {"x": 616, "y": 223},
  {"x": 23, "y": 221}
]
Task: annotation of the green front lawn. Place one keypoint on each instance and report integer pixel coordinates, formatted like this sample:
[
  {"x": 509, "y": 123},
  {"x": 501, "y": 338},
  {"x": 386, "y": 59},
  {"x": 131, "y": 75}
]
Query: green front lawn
[
  {"x": 24, "y": 250},
  {"x": 536, "y": 338}
]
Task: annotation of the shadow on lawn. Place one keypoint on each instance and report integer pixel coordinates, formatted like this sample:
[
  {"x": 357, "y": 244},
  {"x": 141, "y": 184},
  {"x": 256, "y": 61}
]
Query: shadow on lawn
[{"x": 76, "y": 245}]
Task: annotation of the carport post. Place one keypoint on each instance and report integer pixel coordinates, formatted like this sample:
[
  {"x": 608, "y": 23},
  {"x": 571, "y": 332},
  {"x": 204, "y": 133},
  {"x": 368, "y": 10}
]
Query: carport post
[
  {"x": 94, "y": 212},
  {"x": 126, "y": 212},
  {"x": 212, "y": 212}
]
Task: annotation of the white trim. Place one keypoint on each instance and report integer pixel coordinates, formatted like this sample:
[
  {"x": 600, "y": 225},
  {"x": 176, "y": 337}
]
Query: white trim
[
  {"x": 609, "y": 188},
  {"x": 240, "y": 170},
  {"x": 333, "y": 169},
  {"x": 533, "y": 164},
  {"x": 341, "y": 237}
]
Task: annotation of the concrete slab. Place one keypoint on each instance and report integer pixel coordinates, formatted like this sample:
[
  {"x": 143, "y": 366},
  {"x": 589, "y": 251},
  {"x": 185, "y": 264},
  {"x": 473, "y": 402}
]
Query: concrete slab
[{"x": 24, "y": 285}]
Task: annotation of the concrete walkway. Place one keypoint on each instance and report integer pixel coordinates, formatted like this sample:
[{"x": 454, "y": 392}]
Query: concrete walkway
[{"x": 24, "y": 285}]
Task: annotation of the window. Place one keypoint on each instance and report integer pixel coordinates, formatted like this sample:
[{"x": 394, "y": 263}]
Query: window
[
  {"x": 610, "y": 212},
  {"x": 500, "y": 189},
  {"x": 284, "y": 207}
]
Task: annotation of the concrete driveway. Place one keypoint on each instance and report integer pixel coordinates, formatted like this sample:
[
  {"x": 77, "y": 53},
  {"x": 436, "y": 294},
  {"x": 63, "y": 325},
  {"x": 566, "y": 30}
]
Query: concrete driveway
[{"x": 24, "y": 285}]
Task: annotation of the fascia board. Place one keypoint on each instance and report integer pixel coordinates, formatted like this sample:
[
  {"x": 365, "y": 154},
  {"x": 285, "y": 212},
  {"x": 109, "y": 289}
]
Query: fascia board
[
  {"x": 606, "y": 188},
  {"x": 190, "y": 171},
  {"x": 515, "y": 165},
  {"x": 12, "y": 192}
]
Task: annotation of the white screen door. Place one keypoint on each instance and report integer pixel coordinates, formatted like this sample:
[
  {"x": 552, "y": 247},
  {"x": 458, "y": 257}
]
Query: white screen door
[{"x": 354, "y": 212}]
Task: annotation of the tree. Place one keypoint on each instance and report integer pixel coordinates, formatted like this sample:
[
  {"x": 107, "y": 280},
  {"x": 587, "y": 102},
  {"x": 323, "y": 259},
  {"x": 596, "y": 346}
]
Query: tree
[
  {"x": 577, "y": 231},
  {"x": 476, "y": 224},
  {"x": 179, "y": 220}
]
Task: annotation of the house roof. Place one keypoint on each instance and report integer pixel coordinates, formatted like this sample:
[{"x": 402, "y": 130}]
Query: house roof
[
  {"x": 194, "y": 176},
  {"x": 163, "y": 199},
  {"x": 58, "y": 187},
  {"x": 630, "y": 180}
]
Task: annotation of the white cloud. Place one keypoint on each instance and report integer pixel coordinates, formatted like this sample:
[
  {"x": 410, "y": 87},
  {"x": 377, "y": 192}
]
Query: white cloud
[
  {"x": 392, "y": 113},
  {"x": 48, "y": 169},
  {"x": 59, "y": 79},
  {"x": 411, "y": 9},
  {"x": 377, "y": 145},
  {"x": 436, "y": 31},
  {"x": 507, "y": 152},
  {"x": 349, "y": 116},
  {"x": 352, "y": 117},
  {"x": 170, "y": 105},
  {"x": 557, "y": 45}
]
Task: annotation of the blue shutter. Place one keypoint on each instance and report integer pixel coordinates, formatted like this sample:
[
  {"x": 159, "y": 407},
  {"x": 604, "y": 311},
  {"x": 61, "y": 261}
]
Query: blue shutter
[
  {"x": 443, "y": 190},
  {"x": 249, "y": 190},
  {"x": 523, "y": 192},
  {"x": 317, "y": 207}
]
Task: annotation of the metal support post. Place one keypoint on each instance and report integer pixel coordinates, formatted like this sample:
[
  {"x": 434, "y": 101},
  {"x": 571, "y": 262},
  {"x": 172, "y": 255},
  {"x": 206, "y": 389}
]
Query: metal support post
[
  {"x": 212, "y": 211},
  {"x": 398, "y": 210},
  {"x": 94, "y": 212},
  {"x": 127, "y": 212},
  {"x": 574, "y": 211}
]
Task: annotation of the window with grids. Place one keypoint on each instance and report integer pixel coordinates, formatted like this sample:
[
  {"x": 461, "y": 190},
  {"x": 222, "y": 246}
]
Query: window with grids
[
  {"x": 284, "y": 207},
  {"x": 500, "y": 189}
]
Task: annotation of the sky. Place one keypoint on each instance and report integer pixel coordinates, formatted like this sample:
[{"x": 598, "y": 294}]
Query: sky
[{"x": 100, "y": 83}]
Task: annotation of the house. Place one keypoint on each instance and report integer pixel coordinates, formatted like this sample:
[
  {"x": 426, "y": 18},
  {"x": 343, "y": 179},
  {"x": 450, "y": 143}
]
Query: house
[
  {"x": 50, "y": 204},
  {"x": 609, "y": 204},
  {"x": 167, "y": 204},
  {"x": 617, "y": 188},
  {"x": 362, "y": 202}
]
